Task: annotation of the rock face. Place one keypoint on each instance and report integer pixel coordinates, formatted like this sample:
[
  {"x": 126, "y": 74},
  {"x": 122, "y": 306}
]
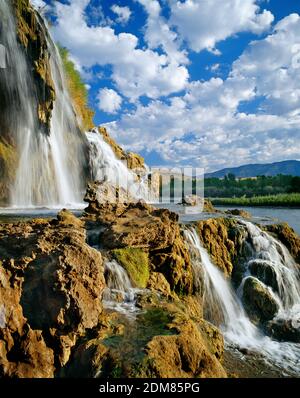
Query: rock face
[
  {"x": 218, "y": 238},
  {"x": 50, "y": 294},
  {"x": 32, "y": 36}
]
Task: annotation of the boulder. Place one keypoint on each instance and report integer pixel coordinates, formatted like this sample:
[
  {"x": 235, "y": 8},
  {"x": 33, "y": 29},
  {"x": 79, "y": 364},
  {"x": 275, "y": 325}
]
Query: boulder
[
  {"x": 259, "y": 302},
  {"x": 264, "y": 271},
  {"x": 239, "y": 212},
  {"x": 284, "y": 329}
]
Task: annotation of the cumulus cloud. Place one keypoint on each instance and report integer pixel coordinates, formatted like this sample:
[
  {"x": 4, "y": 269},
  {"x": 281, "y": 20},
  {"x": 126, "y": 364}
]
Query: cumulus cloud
[
  {"x": 158, "y": 33},
  {"x": 203, "y": 123},
  {"x": 123, "y": 13},
  {"x": 203, "y": 23},
  {"x": 205, "y": 127},
  {"x": 270, "y": 65},
  {"x": 136, "y": 71},
  {"x": 109, "y": 100}
]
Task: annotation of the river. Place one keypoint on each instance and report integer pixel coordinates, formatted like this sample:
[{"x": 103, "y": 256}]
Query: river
[{"x": 271, "y": 214}]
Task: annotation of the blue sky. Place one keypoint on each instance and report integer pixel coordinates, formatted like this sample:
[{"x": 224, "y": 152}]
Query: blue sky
[{"x": 203, "y": 83}]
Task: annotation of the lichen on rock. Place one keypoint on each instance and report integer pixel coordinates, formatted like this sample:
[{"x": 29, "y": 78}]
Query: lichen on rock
[{"x": 136, "y": 263}]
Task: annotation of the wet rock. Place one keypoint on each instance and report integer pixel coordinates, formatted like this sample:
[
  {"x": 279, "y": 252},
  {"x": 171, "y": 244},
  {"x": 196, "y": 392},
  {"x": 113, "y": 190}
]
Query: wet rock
[
  {"x": 264, "y": 271},
  {"x": 214, "y": 235},
  {"x": 239, "y": 212},
  {"x": 284, "y": 329},
  {"x": 288, "y": 237},
  {"x": 136, "y": 263},
  {"x": 259, "y": 303},
  {"x": 33, "y": 37}
]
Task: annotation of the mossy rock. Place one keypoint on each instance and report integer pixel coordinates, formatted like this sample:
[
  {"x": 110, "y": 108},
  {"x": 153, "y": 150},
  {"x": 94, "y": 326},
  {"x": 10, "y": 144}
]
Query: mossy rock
[
  {"x": 259, "y": 303},
  {"x": 136, "y": 263}
]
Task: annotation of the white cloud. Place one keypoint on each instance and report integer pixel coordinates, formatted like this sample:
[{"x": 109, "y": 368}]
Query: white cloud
[
  {"x": 203, "y": 23},
  {"x": 269, "y": 64},
  {"x": 109, "y": 100},
  {"x": 222, "y": 135},
  {"x": 136, "y": 71},
  {"x": 123, "y": 13},
  {"x": 158, "y": 33}
]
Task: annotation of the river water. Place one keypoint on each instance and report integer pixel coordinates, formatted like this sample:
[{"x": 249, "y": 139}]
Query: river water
[{"x": 271, "y": 214}]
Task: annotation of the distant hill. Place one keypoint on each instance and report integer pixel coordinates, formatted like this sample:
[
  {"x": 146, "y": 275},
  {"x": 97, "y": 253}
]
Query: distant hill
[{"x": 288, "y": 167}]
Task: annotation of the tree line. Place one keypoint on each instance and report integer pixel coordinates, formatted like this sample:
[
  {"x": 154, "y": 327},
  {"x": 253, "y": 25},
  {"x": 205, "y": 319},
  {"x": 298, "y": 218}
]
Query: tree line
[{"x": 230, "y": 186}]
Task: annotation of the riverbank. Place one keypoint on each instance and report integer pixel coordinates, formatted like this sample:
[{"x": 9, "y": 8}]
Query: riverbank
[{"x": 280, "y": 200}]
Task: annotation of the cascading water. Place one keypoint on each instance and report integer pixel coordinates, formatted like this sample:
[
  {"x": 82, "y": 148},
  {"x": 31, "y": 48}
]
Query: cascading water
[
  {"x": 119, "y": 293},
  {"x": 235, "y": 324},
  {"x": 106, "y": 166},
  {"x": 271, "y": 262},
  {"x": 50, "y": 168}
]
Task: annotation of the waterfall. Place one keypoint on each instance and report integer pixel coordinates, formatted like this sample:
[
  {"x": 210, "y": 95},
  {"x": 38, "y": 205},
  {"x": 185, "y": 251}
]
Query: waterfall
[
  {"x": 105, "y": 166},
  {"x": 50, "y": 168},
  {"x": 272, "y": 263},
  {"x": 236, "y": 326},
  {"x": 119, "y": 294}
]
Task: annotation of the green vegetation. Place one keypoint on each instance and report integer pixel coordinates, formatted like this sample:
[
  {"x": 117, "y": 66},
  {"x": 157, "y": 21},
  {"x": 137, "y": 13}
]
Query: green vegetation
[
  {"x": 78, "y": 91},
  {"x": 249, "y": 187},
  {"x": 287, "y": 200},
  {"x": 136, "y": 263}
]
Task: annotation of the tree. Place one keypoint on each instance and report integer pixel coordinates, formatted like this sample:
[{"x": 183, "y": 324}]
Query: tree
[{"x": 295, "y": 185}]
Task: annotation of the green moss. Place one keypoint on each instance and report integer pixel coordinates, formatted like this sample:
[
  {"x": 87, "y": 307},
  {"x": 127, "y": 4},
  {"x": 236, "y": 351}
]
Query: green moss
[
  {"x": 77, "y": 90},
  {"x": 136, "y": 263}
]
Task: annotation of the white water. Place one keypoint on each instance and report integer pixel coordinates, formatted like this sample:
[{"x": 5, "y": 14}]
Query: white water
[
  {"x": 272, "y": 255},
  {"x": 119, "y": 294},
  {"x": 235, "y": 324},
  {"x": 49, "y": 171},
  {"x": 105, "y": 166}
]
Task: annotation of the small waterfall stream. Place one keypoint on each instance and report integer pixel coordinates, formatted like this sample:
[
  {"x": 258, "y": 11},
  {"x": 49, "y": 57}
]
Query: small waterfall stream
[
  {"x": 119, "y": 294},
  {"x": 237, "y": 328},
  {"x": 272, "y": 264},
  {"x": 49, "y": 172},
  {"x": 105, "y": 166}
]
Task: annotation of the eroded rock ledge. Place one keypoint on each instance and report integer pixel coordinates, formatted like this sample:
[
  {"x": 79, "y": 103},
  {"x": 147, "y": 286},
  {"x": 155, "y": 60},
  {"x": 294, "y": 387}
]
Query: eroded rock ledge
[
  {"x": 52, "y": 280},
  {"x": 50, "y": 294}
]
